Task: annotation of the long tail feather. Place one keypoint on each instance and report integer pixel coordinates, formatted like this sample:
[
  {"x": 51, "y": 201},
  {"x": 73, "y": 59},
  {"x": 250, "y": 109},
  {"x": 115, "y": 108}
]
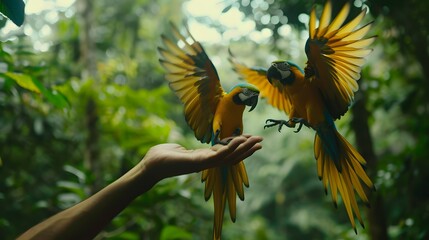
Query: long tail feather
[
  {"x": 344, "y": 174},
  {"x": 224, "y": 183},
  {"x": 231, "y": 196},
  {"x": 219, "y": 199}
]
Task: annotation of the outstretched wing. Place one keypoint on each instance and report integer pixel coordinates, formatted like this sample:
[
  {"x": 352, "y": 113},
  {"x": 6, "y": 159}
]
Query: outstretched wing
[
  {"x": 336, "y": 52},
  {"x": 258, "y": 77},
  {"x": 194, "y": 80}
]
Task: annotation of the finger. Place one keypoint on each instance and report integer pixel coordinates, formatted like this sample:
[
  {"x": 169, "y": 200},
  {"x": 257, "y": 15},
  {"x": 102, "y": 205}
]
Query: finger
[
  {"x": 242, "y": 149},
  {"x": 246, "y": 135},
  {"x": 221, "y": 152},
  {"x": 230, "y": 147},
  {"x": 247, "y": 154},
  {"x": 229, "y": 139},
  {"x": 239, "y": 148}
]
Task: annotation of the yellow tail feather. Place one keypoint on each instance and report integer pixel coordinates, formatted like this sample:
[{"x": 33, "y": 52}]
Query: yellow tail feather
[
  {"x": 347, "y": 181},
  {"x": 219, "y": 199},
  {"x": 224, "y": 189}
]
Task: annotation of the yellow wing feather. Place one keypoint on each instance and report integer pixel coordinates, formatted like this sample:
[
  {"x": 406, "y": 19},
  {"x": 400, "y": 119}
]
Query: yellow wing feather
[
  {"x": 257, "y": 77},
  {"x": 350, "y": 26},
  {"x": 336, "y": 52},
  {"x": 338, "y": 20},
  {"x": 324, "y": 19},
  {"x": 312, "y": 23},
  {"x": 194, "y": 80}
]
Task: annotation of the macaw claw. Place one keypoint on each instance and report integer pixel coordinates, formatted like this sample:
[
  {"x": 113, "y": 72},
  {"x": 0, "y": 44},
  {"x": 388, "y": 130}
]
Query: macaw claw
[
  {"x": 225, "y": 141},
  {"x": 301, "y": 122},
  {"x": 290, "y": 123},
  {"x": 222, "y": 142},
  {"x": 273, "y": 122},
  {"x": 216, "y": 139}
]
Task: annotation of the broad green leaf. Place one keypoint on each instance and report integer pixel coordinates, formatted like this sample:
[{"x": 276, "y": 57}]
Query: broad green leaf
[
  {"x": 14, "y": 10},
  {"x": 55, "y": 97},
  {"x": 24, "y": 81},
  {"x": 58, "y": 99}
]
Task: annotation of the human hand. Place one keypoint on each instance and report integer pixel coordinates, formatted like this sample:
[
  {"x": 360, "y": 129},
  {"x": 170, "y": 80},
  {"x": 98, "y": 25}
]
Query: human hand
[{"x": 170, "y": 159}]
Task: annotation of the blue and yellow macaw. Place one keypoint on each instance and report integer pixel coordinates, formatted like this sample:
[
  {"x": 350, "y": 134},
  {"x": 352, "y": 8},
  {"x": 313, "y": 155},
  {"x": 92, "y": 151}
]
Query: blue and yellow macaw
[
  {"x": 319, "y": 95},
  {"x": 212, "y": 114}
]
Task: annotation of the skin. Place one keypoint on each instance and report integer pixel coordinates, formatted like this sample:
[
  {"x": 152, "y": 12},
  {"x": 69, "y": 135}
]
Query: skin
[{"x": 87, "y": 218}]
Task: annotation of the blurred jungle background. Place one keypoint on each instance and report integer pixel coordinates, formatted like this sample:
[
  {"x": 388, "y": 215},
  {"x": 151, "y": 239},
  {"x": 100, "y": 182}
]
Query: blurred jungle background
[{"x": 82, "y": 98}]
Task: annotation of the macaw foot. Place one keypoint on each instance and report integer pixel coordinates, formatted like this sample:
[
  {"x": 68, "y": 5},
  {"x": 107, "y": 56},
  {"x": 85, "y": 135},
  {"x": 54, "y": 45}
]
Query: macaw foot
[
  {"x": 221, "y": 142},
  {"x": 217, "y": 140},
  {"x": 290, "y": 123},
  {"x": 273, "y": 122},
  {"x": 300, "y": 121}
]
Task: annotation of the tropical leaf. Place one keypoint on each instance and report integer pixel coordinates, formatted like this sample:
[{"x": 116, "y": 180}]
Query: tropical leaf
[
  {"x": 14, "y": 10},
  {"x": 52, "y": 95},
  {"x": 23, "y": 80}
]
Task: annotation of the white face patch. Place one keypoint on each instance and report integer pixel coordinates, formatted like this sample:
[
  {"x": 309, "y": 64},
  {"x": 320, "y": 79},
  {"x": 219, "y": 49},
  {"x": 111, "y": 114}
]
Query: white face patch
[
  {"x": 246, "y": 94},
  {"x": 283, "y": 68},
  {"x": 243, "y": 97},
  {"x": 285, "y": 74}
]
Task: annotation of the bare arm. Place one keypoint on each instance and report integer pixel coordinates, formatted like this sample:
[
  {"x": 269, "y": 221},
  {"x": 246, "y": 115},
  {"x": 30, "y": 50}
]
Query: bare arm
[{"x": 87, "y": 218}]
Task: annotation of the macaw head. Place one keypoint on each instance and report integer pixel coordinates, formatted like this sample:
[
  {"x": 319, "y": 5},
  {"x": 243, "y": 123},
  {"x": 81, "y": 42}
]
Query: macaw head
[
  {"x": 282, "y": 72},
  {"x": 245, "y": 94}
]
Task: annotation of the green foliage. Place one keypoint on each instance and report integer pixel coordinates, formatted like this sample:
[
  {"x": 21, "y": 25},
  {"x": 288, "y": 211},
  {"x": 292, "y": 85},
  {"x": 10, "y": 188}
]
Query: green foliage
[
  {"x": 14, "y": 10},
  {"x": 34, "y": 85},
  {"x": 22, "y": 80},
  {"x": 24, "y": 75},
  {"x": 172, "y": 232},
  {"x": 44, "y": 124}
]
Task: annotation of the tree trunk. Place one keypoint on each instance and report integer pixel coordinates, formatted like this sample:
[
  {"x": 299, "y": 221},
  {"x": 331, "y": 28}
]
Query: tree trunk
[
  {"x": 376, "y": 215},
  {"x": 89, "y": 72},
  {"x": 86, "y": 41}
]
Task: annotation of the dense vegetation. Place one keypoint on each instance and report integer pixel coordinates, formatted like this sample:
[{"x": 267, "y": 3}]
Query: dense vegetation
[{"x": 82, "y": 98}]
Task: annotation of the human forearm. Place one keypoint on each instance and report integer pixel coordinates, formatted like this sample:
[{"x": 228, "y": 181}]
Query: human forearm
[{"x": 86, "y": 219}]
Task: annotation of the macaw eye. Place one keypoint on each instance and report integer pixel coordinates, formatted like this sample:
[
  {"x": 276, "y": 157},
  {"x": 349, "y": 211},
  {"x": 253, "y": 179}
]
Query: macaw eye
[{"x": 248, "y": 92}]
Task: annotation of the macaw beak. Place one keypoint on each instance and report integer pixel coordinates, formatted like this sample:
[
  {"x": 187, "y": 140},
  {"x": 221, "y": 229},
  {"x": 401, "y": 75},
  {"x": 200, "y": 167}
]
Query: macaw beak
[
  {"x": 273, "y": 73},
  {"x": 252, "y": 102},
  {"x": 274, "y": 76}
]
